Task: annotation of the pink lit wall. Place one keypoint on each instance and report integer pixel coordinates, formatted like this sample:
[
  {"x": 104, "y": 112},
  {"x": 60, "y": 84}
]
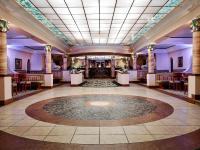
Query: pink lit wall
[
  {"x": 186, "y": 53},
  {"x": 163, "y": 59},
  {"x": 12, "y": 54},
  {"x": 36, "y": 59}
]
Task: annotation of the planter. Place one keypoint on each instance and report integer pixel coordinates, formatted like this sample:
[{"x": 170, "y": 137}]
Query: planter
[{"x": 123, "y": 78}]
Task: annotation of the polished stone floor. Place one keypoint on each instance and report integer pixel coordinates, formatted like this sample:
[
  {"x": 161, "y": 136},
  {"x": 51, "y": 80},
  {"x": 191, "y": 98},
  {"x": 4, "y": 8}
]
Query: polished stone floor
[{"x": 184, "y": 119}]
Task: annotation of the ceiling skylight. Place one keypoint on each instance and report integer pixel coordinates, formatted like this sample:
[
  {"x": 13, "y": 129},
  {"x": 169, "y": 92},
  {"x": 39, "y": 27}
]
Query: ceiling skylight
[{"x": 99, "y": 21}]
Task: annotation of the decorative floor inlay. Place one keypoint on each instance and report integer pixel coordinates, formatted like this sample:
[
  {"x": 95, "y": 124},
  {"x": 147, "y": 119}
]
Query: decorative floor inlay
[
  {"x": 99, "y": 83},
  {"x": 97, "y": 110},
  {"x": 99, "y": 107}
]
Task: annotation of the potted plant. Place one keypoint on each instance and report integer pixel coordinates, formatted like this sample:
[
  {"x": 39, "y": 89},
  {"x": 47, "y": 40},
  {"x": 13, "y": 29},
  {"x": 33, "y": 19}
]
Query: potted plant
[
  {"x": 123, "y": 65},
  {"x": 76, "y": 64}
]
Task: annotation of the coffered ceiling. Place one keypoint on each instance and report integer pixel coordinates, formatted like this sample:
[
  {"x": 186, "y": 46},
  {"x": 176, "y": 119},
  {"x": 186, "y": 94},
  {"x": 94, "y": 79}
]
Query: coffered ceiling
[{"x": 88, "y": 22}]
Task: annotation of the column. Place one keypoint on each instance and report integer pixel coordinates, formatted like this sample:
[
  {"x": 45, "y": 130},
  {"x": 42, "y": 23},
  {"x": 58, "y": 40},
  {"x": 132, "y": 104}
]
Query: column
[
  {"x": 65, "y": 62},
  {"x": 113, "y": 67},
  {"x": 86, "y": 67},
  {"x": 5, "y": 79},
  {"x": 48, "y": 76},
  {"x": 65, "y": 72},
  {"x": 134, "y": 58},
  {"x": 194, "y": 79},
  {"x": 151, "y": 76},
  {"x": 133, "y": 73}
]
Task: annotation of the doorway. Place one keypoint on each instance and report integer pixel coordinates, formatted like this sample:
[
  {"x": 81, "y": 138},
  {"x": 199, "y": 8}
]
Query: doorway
[
  {"x": 100, "y": 69},
  {"x": 28, "y": 66},
  {"x": 171, "y": 65}
]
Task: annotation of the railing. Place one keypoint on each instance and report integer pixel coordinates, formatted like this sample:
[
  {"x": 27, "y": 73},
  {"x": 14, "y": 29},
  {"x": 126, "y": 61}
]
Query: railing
[
  {"x": 171, "y": 76},
  {"x": 57, "y": 74},
  {"x": 35, "y": 77},
  {"x": 164, "y": 76}
]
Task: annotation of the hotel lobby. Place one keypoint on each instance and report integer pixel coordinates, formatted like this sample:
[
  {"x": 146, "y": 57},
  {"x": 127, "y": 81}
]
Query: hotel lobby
[{"x": 99, "y": 74}]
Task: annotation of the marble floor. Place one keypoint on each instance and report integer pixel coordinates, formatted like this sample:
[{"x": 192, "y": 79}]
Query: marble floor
[{"x": 184, "y": 119}]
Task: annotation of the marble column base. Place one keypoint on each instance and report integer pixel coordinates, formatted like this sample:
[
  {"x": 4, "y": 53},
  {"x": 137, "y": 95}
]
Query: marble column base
[
  {"x": 76, "y": 79},
  {"x": 66, "y": 76},
  {"x": 151, "y": 79},
  {"x": 5, "y": 89},
  {"x": 194, "y": 87},
  {"x": 48, "y": 80}
]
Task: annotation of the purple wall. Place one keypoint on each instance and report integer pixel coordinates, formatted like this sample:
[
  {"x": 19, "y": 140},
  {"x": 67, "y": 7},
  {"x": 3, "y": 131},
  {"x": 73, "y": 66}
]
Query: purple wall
[
  {"x": 186, "y": 53},
  {"x": 36, "y": 59},
  {"x": 163, "y": 59}
]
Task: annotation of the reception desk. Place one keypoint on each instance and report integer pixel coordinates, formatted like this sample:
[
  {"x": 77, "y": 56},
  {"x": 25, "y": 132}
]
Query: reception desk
[
  {"x": 122, "y": 78},
  {"x": 77, "y": 78}
]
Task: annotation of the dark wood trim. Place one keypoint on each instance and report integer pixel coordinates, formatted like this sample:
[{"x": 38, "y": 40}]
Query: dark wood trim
[
  {"x": 134, "y": 81},
  {"x": 196, "y": 97},
  {"x": 6, "y": 102},
  {"x": 153, "y": 87},
  {"x": 5, "y": 75},
  {"x": 123, "y": 84},
  {"x": 100, "y": 53},
  {"x": 180, "y": 37},
  {"x": 46, "y": 87},
  {"x": 198, "y": 75}
]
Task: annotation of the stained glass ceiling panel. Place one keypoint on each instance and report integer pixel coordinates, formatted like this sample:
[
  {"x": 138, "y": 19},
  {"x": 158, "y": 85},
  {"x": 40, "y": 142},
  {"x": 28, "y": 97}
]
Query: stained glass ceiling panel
[{"x": 99, "y": 21}]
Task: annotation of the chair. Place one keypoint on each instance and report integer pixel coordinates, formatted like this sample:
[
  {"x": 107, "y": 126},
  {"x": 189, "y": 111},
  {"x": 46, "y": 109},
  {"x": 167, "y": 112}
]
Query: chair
[
  {"x": 14, "y": 85},
  {"x": 185, "y": 80},
  {"x": 185, "y": 88},
  {"x": 175, "y": 81}
]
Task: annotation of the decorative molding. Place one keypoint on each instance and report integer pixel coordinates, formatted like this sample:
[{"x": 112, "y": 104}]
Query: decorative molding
[
  {"x": 150, "y": 47},
  {"x": 3, "y": 26},
  {"x": 196, "y": 25},
  {"x": 48, "y": 48}
]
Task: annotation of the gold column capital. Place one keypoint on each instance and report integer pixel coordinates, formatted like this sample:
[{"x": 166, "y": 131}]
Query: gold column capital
[
  {"x": 3, "y": 26},
  {"x": 150, "y": 47},
  {"x": 196, "y": 25},
  {"x": 48, "y": 48}
]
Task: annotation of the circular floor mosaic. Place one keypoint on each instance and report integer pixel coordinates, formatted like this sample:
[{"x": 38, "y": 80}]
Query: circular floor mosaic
[
  {"x": 97, "y": 110},
  {"x": 101, "y": 107}
]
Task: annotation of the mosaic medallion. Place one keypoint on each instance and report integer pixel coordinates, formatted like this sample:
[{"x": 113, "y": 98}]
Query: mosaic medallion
[
  {"x": 95, "y": 110},
  {"x": 99, "y": 107}
]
